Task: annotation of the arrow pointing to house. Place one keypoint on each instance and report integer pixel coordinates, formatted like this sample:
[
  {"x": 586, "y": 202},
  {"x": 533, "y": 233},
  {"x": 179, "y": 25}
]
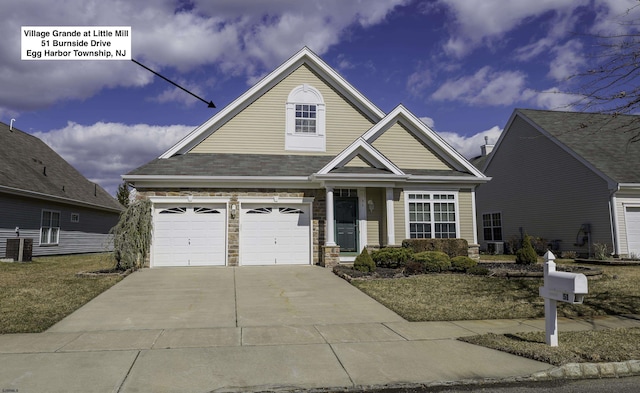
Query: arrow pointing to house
[{"x": 210, "y": 104}]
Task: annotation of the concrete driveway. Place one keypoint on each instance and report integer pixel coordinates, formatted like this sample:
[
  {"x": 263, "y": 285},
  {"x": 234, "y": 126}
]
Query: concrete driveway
[
  {"x": 173, "y": 298},
  {"x": 246, "y": 329}
]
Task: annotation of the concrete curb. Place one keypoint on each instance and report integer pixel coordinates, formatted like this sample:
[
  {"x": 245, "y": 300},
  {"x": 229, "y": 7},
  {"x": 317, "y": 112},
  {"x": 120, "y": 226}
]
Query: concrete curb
[{"x": 568, "y": 371}]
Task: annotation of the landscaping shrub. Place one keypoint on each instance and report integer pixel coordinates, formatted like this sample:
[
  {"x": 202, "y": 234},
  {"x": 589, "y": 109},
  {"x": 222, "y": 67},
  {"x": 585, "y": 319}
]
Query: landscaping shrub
[
  {"x": 391, "y": 257},
  {"x": 540, "y": 244},
  {"x": 433, "y": 261},
  {"x": 600, "y": 251},
  {"x": 363, "y": 262},
  {"x": 478, "y": 271},
  {"x": 132, "y": 235},
  {"x": 526, "y": 255},
  {"x": 451, "y": 247},
  {"x": 462, "y": 264},
  {"x": 568, "y": 255}
]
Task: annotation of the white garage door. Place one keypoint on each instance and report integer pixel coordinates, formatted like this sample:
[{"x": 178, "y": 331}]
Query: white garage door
[
  {"x": 275, "y": 234},
  {"x": 189, "y": 235},
  {"x": 633, "y": 229}
]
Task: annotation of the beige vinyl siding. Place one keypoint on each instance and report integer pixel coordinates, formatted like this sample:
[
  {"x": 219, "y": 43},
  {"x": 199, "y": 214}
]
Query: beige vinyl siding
[
  {"x": 399, "y": 216},
  {"x": 465, "y": 220},
  {"x": 357, "y": 162},
  {"x": 406, "y": 151},
  {"x": 375, "y": 230},
  {"x": 260, "y": 127},
  {"x": 539, "y": 187}
]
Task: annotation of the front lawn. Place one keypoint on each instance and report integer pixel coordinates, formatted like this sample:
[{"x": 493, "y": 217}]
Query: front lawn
[
  {"x": 35, "y": 295},
  {"x": 442, "y": 297}
]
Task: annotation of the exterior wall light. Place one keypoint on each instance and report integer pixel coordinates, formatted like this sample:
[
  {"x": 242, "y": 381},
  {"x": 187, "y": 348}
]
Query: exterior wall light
[
  {"x": 234, "y": 210},
  {"x": 371, "y": 205}
]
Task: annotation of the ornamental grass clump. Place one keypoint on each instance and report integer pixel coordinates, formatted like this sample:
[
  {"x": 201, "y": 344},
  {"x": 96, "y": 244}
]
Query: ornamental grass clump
[
  {"x": 526, "y": 255},
  {"x": 132, "y": 236},
  {"x": 363, "y": 262}
]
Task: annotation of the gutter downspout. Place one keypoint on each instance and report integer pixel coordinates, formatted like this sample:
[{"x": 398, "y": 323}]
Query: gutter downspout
[{"x": 613, "y": 217}]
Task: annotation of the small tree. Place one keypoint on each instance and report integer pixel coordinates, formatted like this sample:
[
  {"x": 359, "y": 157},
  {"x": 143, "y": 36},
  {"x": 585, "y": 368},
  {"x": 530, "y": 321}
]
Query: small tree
[
  {"x": 123, "y": 194},
  {"x": 526, "y": 255},
  {"x": 363, "y": 262},
  {"x": 132, "y": 235}
]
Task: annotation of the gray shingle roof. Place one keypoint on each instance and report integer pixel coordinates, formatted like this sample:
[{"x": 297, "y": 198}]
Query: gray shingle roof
[
  {"x": 227, "y": 164},
  {"x": 23, "y": 159},
  {"x": 601, "y": 139}
]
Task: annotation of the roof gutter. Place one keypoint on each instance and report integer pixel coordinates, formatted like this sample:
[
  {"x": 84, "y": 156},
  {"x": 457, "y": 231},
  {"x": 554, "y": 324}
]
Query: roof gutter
[{"x": 53, "y": 198}]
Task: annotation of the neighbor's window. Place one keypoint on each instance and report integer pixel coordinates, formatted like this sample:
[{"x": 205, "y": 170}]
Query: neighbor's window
[
  {"x": 432, "y": 215},
  {"x": 305, "y": 119},
  {"x": 50, "y": 227},
  {"x": 75, "y": 217},
  {"x": 492, "y": 226}
]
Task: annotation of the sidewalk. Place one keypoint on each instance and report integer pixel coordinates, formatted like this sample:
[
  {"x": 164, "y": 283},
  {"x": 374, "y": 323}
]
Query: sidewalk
[{"x": 263, "y": 358}]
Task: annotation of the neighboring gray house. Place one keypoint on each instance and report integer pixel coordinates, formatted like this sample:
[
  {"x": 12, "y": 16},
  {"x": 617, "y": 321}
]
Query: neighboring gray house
[
  {"x": 571, "y": 178},
  {"x": 49, "y": 200}
]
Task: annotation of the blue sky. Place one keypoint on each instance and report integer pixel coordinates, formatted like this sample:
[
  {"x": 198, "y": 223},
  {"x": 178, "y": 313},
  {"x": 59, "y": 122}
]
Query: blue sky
[{"x": 460, "y": 65}]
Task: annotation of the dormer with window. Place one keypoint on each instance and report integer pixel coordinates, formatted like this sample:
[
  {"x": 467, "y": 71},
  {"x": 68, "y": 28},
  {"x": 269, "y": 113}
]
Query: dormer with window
[{"x": 305, "y": 124}]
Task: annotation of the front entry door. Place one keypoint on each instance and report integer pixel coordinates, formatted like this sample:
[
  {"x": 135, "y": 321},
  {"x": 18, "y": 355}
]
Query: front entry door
[{"x": 346, "y": 215}]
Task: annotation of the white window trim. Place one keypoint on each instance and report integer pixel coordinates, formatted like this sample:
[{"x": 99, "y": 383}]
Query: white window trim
[
  {"x": 501, "y": 226},
  {"x": 57, "y": 239},
  {"x": 456, "y": 205},
  {"x": 298, "y": 141}
]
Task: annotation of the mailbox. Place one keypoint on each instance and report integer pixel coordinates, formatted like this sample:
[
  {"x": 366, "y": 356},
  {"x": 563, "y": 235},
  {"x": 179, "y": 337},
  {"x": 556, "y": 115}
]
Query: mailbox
[{"x": 565, "y": 287}]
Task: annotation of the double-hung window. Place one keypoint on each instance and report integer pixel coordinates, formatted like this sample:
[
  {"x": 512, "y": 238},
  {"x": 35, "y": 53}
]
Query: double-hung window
[
  {"x": 305, "y": 119},
  {"x": 492, "y": 226},
  {"x": 49, "y": 227},
  {"x": 432, "y": 215}
]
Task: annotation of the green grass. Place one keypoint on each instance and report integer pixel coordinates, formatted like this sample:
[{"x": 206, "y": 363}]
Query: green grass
[
  {"x": 36, "y": 295},
  {"x": 611, "y": 345},
  {"x": 441, "y": 297}
]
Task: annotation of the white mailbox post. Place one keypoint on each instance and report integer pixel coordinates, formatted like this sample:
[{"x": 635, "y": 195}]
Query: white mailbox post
[{"x": 559, "y": 286}]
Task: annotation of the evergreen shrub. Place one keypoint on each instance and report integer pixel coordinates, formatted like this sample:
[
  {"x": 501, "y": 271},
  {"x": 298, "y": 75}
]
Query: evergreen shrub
[
  {"x": 391, "y": 257},
  {"x": 363, "y": 262},
  {"x": 462, "y": 264},
  {"x": 526, "y": 255}
]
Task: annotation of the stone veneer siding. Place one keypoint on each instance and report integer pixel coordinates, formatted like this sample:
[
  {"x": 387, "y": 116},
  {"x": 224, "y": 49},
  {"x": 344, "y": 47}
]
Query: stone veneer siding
[{"x": 318, "y": 222}]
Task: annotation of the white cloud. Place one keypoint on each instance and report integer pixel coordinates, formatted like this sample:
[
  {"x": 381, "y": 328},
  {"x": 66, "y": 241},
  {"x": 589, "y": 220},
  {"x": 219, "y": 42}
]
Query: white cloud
[
  {"x": 469, "y": 146},
  {"x": 485, "y": 87},
  {"x": 104, "y": 151},
  {"x": 419, "y": 81},
  {"x": 241, "y": 37},
  {"x": 568, "y": 60},
  {"x": 477, "y": 22},
  {"x": 552, "y": 99},
  {"x": 428, "y": 121}
]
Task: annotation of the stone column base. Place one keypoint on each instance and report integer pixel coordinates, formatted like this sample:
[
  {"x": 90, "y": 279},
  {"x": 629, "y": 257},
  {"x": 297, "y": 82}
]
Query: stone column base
[
  {"x": 330, "y": 256},
  {"x": 474, "y": 252}
]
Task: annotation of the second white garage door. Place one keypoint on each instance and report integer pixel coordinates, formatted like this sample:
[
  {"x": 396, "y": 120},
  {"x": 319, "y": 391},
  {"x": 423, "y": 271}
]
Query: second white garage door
[
  {"x": 633, "y": 229},
  {"x": 189, "y": 235},
  {"x": 275, "y": 234}
]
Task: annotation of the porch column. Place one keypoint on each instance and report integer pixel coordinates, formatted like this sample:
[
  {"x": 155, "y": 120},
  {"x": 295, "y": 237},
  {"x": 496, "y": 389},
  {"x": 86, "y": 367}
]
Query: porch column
[
  {"x": 391, "y": 233},
  {"x": 331, "y": 231}
]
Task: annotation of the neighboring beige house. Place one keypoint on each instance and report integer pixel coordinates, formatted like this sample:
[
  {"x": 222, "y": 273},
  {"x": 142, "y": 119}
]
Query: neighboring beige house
[
  {"x": 303, "y": 169},
  {"x": 571, "y": 178}
]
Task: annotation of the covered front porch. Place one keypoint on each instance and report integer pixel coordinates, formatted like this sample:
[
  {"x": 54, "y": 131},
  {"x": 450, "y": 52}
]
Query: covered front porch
[{"x": 357, "y": 218}]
